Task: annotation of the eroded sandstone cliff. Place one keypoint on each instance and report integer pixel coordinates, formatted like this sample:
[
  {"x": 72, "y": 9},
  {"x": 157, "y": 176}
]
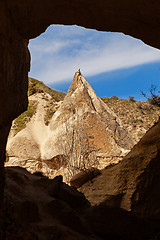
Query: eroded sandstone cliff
[{"x": 83, "y": 133}]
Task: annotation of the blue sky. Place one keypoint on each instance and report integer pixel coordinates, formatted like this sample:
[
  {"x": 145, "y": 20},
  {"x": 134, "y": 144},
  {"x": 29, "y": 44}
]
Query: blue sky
[{"x": 113, "y": 63}]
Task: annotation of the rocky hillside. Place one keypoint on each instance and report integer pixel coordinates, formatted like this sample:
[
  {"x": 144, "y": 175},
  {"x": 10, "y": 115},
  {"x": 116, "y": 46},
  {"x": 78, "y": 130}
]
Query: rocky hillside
[
  {"x": 137, "y": 116},
  {"x": 65, "y": 137},
  {"x": 81, "y": 127},
  {"x": 36, "y": 86}
]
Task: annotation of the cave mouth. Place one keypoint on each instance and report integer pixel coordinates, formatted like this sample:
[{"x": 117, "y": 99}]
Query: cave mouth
[
  {"x": 26, "y": 20},
  {"x": 113, "y": 63}
]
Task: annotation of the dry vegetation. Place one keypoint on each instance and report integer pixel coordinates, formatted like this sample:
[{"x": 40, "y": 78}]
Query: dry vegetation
[
  {"x": 134, "y": 114},
  {"x": 24, "y": 118},
  {"x": 36, "y": 86},
  {"x": 50, "y": 110}
]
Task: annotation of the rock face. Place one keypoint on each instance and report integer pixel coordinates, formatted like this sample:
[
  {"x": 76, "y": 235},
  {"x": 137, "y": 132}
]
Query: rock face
[
  {"x": 133, "y": 184},
  {"x": 49, "y": 209},
  {"x": 21, "y": 21},
  {"x": 134, "y": 17},
  {"x": 83, "y": 132},
  {"x": 137, "y": 116},
  {"x": 84, "y": 112},
  {"x": 24, "y": 147},
  {"x": 14, "y": 67},
  {"x": 84, "y": 176},
  {"x": 84, "y": 117}
]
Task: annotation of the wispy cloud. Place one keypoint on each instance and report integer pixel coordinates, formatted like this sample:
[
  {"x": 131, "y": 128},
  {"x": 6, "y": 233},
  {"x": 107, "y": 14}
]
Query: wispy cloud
[{"x": 59, "y": 53}]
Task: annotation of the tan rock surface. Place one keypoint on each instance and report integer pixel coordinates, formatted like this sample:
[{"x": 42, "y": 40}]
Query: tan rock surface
[
  {"x": 24, "y": 147},
  {"x": 137, "y": 116},
  {"x": 82, "y": 125},
  {"x": 133, "y": 184},
  {"x": 103, "y": 129}
]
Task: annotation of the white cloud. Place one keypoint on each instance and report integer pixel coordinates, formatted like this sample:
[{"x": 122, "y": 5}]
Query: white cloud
[{"x": 56, "y": 58}]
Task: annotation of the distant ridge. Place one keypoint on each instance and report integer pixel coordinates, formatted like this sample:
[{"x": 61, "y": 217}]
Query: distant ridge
[{"x": 36, "y": 86}]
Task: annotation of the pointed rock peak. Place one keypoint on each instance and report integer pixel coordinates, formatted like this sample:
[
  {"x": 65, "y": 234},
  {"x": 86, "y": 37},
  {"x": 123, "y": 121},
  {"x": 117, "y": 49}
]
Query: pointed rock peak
[
  {"x": 79, "y": 71},
  {"x": 78, "y": 81}
]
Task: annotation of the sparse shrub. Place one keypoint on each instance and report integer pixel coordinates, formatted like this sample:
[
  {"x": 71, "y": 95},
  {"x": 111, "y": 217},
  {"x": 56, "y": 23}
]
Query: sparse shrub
[
  {"x": 147, "y": 107},
  {"x": 31, "y": 87},
  {"x": 115, "y": 97},
  {"x": 48, "y": 115},
  {"x": 24, "y": 118},
  {"x": 139, "y": 105},
  {"x": 40, "y": 91},
  {"x": 56, "y": 98},
  {"x": 131, "y": 98},
  {"x": 138, "y": 121},
  {"x": 36, "y": 86},
  {"x": 31, "y": 90},
  {"x": 154, "y": 99}
]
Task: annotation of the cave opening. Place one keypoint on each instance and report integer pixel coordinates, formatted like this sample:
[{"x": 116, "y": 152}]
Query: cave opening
[
  {"x": 117, "y": 67},
  {"x": 25, "y": 21},
  {"x": 113, "y": 63}
]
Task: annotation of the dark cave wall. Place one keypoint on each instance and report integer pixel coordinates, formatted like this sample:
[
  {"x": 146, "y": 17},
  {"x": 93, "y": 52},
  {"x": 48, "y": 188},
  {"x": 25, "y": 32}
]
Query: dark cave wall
[
  {"x": 14, "y": 66},
  {"x": 138, "y": 18}
]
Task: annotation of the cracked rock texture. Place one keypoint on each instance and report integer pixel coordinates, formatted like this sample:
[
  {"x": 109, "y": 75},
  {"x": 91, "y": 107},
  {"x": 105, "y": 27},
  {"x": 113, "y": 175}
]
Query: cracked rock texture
[
  {"x": 83, "y": 129},
  {"x": 133, "y": 184}
]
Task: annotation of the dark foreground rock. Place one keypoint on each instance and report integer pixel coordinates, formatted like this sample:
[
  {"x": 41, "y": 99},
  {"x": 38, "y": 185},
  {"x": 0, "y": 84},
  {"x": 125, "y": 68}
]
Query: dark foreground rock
[
  {"x": 134, "y": 183},
  {"x": 38, "y": 208},
  {"x": 84, "y": 176}
]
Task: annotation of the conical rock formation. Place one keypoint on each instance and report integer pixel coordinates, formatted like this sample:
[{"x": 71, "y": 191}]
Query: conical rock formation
[
  {"x": 83, "y": 131},
  {"x": 83, "y": 111}
]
